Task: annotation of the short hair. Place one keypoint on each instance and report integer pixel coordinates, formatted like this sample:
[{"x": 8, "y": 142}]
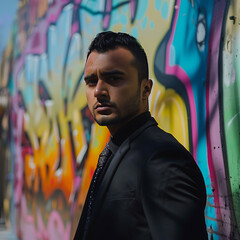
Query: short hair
[{"x": 105, "y": 41}]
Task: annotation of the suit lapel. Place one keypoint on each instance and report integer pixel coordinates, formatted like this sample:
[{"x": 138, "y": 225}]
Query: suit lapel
[
  {"x": 109, "y": 174},
  {"x": 114, "y": 165}
]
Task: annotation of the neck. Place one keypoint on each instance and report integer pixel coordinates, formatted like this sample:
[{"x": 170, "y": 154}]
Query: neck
[{"x": 113, "y": 129}]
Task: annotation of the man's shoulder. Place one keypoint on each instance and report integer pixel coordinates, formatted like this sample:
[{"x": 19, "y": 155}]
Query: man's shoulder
[
  {"x": 152, "y": 133},
  {"x": 152, "y": 139}
]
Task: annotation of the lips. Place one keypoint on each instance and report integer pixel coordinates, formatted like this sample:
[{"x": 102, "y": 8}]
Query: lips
[{"x": 103, "y": 108}]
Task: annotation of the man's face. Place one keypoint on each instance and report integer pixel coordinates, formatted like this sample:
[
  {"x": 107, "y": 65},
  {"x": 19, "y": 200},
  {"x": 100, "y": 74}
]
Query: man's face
[{"x": 113, "y": 91}]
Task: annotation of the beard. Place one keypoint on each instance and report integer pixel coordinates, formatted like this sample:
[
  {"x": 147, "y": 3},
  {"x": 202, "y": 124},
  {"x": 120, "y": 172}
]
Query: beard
[{"x": 120, "y": 116}]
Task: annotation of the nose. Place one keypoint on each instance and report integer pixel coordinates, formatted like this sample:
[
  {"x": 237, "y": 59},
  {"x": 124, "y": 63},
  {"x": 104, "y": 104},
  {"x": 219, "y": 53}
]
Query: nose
[{"x": 101, "y": 90}]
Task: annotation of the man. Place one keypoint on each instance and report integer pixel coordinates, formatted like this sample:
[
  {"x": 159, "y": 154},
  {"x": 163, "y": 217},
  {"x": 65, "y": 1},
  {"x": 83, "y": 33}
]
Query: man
[{"x": 150, "y": 186}]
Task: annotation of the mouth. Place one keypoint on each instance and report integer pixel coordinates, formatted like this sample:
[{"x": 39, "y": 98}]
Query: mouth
[{"x": 103, "y": 108}]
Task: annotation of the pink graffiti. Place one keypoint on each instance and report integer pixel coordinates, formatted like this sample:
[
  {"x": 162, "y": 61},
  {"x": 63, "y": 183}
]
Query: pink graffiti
[
  {"x": 42, "y": 231},
  {"x": 28, "y": 231},
  {"x": 37, "y": 43},
  {"x": 107, "y": 16},
  {"x": 17, "y": 119},
  {"x": 214, "y": 149},
  {"x": 55, "y": 229},
  {"x": 133, "y": 8}
]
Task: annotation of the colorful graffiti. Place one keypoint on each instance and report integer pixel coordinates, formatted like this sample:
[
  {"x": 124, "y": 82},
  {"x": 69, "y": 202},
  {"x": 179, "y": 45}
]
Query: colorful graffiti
[
  {"x": 192, "y": 47},
  {"x": 229, "y": 106}
]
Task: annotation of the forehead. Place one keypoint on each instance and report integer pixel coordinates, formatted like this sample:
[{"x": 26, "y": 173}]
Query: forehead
[{"x": 119, "y": 58}]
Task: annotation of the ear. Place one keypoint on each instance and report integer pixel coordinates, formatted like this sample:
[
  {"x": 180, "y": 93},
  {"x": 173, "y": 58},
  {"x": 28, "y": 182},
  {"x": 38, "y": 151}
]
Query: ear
[{"x": 147, "y": 88}]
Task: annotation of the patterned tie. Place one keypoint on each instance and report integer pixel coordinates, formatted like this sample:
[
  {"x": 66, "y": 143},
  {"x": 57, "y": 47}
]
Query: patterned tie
[{"x": 102, "y": 160}]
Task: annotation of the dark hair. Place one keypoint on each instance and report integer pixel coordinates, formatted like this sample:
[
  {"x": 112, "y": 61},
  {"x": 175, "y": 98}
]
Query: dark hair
[{"x": 109, "y": 40}]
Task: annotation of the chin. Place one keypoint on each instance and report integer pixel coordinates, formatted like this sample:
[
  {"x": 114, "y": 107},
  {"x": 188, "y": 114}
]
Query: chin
[{"x": 107, "y": 120}]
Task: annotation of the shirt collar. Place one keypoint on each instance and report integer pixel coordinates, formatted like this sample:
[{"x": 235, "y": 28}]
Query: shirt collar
[{"x": 124, "y": 132}]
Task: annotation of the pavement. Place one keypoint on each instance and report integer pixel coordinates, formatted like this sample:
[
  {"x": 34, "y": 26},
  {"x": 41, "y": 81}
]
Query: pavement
[{"x": 6, "y": 234}]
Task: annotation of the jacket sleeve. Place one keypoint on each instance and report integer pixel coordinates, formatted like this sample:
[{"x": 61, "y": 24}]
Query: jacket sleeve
[{"x": 173, "y": 197}]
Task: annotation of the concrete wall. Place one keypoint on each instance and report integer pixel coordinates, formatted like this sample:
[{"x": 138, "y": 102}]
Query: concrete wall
[{"x": 193, "y": 52}]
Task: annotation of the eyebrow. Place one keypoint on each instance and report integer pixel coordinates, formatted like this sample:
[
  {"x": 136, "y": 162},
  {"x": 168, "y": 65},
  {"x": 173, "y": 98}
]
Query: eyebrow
[
  {"x": 91, "y": 76},
  {"x": 106, "y": 73},
  {"x": 113, "y": 72}
]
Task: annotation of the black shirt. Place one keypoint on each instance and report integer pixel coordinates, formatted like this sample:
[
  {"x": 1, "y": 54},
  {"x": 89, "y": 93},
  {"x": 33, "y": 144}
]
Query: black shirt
[{"x": 123, "y": 133}]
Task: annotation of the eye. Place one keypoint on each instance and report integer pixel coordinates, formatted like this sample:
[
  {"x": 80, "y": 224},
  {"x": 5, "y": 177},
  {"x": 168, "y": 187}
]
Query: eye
[
  {"x": 113, "y": 79},
  {"x": 91, "y": 82}
]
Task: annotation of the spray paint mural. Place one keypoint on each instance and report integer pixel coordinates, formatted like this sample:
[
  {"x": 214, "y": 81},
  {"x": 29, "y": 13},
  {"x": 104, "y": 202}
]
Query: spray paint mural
[{"x": 192, "y": 47}]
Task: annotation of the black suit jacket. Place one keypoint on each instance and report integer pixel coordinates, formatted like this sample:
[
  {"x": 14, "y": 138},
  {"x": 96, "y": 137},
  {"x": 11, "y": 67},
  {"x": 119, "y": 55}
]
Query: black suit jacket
[{"x": 152, "y": 189}]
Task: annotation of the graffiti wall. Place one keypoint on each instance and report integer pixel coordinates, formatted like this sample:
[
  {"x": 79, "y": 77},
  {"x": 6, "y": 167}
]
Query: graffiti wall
[{"x": 193, "y": 52}]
